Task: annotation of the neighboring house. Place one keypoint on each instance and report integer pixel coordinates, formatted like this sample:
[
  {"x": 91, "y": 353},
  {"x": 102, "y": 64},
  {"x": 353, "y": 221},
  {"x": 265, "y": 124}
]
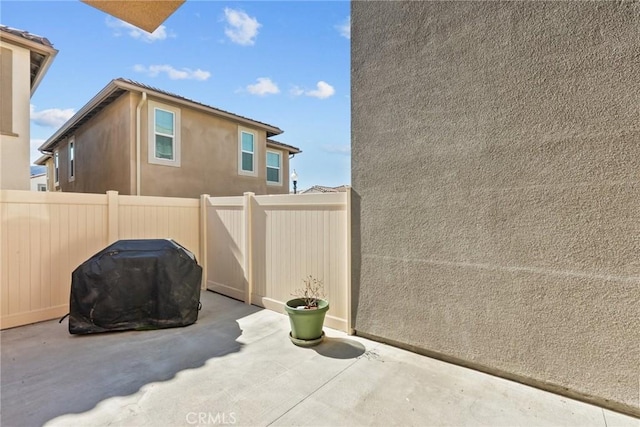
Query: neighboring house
[
  {"x": 137, "y": 139},
  {"x": 39, "y": 182},
  {"x": 323, "y": 189},
  {"x": 495, "y": 166},
  {"x": 24, "y": 60},
  {"x": 39, "y": 175}
]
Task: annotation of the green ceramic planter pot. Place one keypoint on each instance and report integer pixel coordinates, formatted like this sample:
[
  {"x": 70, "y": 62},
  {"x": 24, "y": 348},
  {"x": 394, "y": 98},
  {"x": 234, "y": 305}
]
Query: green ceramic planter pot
[{"x": 306, "y": 325}]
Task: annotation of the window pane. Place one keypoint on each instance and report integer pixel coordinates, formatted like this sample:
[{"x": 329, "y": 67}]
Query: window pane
[
  {"x": 164, "y": 147},
  {"x": 247, "y": 162},
  {"x": 273, "y": 175},
  {"x": 164, "y": 122},
  {"x": 56, "y": 167},
  {"x": 273, "y": 160},
  {"x": 247, "y": 142}
]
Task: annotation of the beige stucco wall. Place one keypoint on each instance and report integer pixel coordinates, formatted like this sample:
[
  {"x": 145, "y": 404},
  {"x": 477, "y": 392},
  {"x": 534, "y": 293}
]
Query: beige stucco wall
[
  {"x": 14, "y": 149},
  {"x": 209, "y": 159},
  {"x": 103, "y": 149},
  {"x": 496, "y": 155}
]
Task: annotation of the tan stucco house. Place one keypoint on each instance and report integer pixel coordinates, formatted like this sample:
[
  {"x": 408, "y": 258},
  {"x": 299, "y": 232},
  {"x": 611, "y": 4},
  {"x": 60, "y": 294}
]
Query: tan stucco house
[
  {"x": 24, "y": 60},
  {"x": 137, "y": 139}
]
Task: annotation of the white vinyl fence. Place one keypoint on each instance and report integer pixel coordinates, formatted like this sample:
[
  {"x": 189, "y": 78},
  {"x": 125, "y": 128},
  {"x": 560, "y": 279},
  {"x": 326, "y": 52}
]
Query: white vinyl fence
[
  {"x": 260, "y": 248},
  {"x": 254, "y": 248},
  {"x": 44, "y": 236}
]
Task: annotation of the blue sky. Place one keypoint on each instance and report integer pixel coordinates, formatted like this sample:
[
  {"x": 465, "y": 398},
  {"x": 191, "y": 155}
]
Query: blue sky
[{"x": 283, "y": 63}]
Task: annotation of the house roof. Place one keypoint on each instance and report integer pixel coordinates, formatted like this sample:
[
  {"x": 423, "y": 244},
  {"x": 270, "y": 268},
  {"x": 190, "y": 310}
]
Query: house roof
[
  {"x": 277, "y": 144},
  {"x": 118, "y": 86},
  {"x": 41, "y": 50},
  {"x": 42, "y": 160}
]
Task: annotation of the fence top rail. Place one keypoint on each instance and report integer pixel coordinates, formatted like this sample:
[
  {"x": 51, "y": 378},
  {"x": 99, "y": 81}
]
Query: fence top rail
[
  {"x": 158, "y": 201},
  {"x": 47, "y": 197},
  {"x": 302, "y": 200},
  {"x": 284, "y": 201},
  {"x": 223, "y": 202}
]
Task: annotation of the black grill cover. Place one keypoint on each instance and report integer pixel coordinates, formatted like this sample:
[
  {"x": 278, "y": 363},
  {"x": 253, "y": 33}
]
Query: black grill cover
[{"x": 135, "y": 284}]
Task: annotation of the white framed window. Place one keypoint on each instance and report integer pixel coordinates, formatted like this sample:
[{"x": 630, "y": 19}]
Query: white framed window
[
  {"x": 164, "y": 134},
  {"x": 42, "y": 187},
  {"x": 72, "y": 159},
  {"x": 274, "y": 167},
  {"x": 56, "y": 168},
  {"x": 247, "y": 152}
]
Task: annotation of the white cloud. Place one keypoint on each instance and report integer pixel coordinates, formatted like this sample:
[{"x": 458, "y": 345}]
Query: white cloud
[
  {"x": 324, "y": 90},
  {"x": 242, "y": 29},
  {"x": 345, "y": 28},
  {"x": 264, "y": 87},
  {"x": 338, "y": 149},
  {"x": 34, "y": 154},
  {"x": 173, "y": 73},
  {"x": 52, "y": 117},
  {"x": 119, "y": 26}
]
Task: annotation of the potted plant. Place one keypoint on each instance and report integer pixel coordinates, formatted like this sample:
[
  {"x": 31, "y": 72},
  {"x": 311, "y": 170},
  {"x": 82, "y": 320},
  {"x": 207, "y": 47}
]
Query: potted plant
[{"x": 306, "y": 313}]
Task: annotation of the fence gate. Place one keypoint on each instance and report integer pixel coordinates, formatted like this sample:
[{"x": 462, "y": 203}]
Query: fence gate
[
  {"x": 225, "y": 249},
  {"x": 260, "y": 248}
]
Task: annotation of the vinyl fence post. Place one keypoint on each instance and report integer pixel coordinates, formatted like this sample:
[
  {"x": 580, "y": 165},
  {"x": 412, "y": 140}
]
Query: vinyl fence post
[
  {"x": 112, "y": 217},
  {"x": 204, "y": 239},
  {"x": 248, "y": 246}
]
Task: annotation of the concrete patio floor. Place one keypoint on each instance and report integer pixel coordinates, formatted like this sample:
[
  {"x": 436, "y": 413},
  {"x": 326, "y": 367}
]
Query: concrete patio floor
[{"x": 236, "y": 366}]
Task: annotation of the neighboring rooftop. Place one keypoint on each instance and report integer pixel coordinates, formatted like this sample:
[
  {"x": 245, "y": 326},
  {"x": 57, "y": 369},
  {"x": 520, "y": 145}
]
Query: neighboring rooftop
[
  {"x": 26, "y": 35},
  {"x": 290, "y": 148},
  {"x": 324, "y": 189},
  {"x": 41, "y": 51},
  {"x": 276, "y": 130},
  {"x": 38, "y": 170}
]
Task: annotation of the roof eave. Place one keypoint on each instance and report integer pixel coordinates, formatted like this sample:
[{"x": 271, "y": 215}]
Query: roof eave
[
  {"x": 271, "y": 130},
  {"x": 42, "y": 160},
  {"x": 43, "y": 70},
  {"x": 50, "y": 143},
  {"x": 290, "y": 148},
  {"x": 47, "y": 51}
]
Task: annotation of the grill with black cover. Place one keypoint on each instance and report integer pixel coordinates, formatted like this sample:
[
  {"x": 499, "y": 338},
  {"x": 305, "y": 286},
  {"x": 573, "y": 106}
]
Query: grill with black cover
[{"x": 135, "y": 284}]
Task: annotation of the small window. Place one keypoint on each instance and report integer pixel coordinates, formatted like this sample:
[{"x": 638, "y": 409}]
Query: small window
[
  {"x": 42, "y": 187},
  {"x": 164, "y": 134},
  {"x": 56, "y": 168},
  {"x": 273, "y": 168},
  {"x": 72, "y": 159},
  {"x": 248, "y": 150}
]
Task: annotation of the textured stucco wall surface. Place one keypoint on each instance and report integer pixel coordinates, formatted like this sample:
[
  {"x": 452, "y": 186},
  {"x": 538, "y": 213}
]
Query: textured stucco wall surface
[
  {"x": 209, "y": 160},
  {"x": 14, "y": 146},
  {"x": 496, "y": 155},
  {"x": 103, "y": 148}
]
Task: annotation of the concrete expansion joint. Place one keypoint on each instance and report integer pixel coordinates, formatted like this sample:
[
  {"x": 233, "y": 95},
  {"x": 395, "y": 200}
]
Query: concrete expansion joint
[{"x": 320, "y": 387}]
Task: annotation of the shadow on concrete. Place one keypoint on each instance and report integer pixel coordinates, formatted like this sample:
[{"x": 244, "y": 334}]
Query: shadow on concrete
[
  {"x": 340, "y": 348},
  {"x": 46, "y": 373}
]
